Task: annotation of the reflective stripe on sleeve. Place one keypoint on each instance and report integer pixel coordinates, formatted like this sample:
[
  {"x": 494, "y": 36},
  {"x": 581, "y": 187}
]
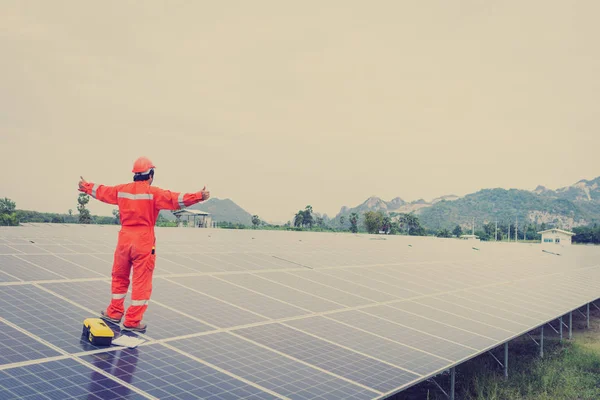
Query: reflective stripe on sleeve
[
  {"x": 139, "y": 302},
  {"x": 94, "y": 190},
  {"x": 117, "y": 296},
  {"x": 180, "y": 200},
  {"x": 130, "y": 196}
]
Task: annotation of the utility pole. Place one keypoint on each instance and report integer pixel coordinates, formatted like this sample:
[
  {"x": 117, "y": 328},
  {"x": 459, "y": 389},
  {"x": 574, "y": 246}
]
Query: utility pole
[
  {"x": 473, "y": 227},
  {"x": 516, "y": 229},
  {"x": 509, "y": 231},
  {"x": 496, "y": 229}
]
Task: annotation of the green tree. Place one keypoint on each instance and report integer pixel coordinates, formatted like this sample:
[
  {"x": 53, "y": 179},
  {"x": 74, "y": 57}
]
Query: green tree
[
  {"x": 445, "y": 233},
  {"x": 299, "y": 219},
  {"x": 457, "y": 231},
  {"x": 308, "y": 217},
  {"x": 117, "y": 216},
  {"x": 255, "y": 221},
  {"x": 489, "y": 231},
  {"x": 373, "y": 221},
  {"x": 320, "y": 222},
  {"x": 353, "y": 222},
  {"x": 8, "y": 216},
  {"x": 386, "y": 226},
  {"x": 342, "y": 221},
  {"x": 84, "y": 214},
  {"x": 7, "y": 206},
  {"x": 410, "y": 224},
  {"x": 532, "y": 233}
]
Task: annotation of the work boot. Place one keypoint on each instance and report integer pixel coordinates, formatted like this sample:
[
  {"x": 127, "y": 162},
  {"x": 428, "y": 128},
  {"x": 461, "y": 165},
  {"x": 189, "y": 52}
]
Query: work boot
[
  {"x": 140, "y": 327},
  {"x": 105, "y": 317}
]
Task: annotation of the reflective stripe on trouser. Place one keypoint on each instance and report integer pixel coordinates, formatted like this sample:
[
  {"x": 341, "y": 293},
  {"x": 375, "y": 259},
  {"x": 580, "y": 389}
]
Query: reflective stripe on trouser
[{"x": 134, "y": 249}]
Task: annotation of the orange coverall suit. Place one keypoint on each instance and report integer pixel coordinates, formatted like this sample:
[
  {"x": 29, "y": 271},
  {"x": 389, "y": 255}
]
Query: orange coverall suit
[{"x": 139, "y": 205}]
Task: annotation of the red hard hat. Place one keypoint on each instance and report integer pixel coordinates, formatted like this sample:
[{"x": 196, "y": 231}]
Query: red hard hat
[{"x": 141, "y": 165}]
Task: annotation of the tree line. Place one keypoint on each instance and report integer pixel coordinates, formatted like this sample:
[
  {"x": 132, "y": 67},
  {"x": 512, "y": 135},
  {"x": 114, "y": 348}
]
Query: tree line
[
  {"x": 11, "y": 216},
  {"x": 373, "y": 222},
  {"x": 587, "y": 234}
]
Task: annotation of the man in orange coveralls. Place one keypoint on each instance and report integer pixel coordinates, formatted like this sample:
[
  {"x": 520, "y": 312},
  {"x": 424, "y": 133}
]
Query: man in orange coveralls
[{"x": 139, "y": 205}]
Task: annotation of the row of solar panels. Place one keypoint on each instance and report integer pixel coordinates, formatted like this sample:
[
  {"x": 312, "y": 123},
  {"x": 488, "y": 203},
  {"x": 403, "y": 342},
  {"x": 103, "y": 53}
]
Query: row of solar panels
[{"x": 284, "y": 330}]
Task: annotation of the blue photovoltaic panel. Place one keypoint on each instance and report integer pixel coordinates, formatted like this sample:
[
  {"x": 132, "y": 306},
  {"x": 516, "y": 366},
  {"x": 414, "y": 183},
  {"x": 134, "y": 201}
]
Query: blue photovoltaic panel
[
  {"x": 24, "y": 270},
  {"x": 270, "y": 370},
  {"x": 4, "y": 249},
  {"x": 60, "y": 266},
  {"x": 410, "y": 337},
  {"x": 166, "y": 374},
  {"x": 15, "y": 346},
  {"x": 5, "y": 277},
  {"x": 315, "y": 288},
  {"x": 460, "y": 336},
  {"x": 54, "y": 248},
  {"x": 179, "y": 264},
  {"x": 280, "y": 292},
  {"x": 351, "y": 365},
  {"x": 241, "y": 297},
  {"x": 28, "y": 248},
  {"x": 198, "y": 305},
  {"x": 45, "y": 316},
  {"x": 62, "y": 379},
  {"x": 387, "y": 350},
  {"x": 88, "y": 261},
  {"x": 162, "y": 322}
]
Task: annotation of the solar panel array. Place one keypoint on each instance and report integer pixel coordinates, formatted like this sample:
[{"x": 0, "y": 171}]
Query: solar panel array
[{"x": 271, "y": 315}]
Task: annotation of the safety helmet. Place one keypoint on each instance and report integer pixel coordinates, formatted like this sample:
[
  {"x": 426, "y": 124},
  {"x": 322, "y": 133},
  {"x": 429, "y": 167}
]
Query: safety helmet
[{"x": 142, "y": 165}]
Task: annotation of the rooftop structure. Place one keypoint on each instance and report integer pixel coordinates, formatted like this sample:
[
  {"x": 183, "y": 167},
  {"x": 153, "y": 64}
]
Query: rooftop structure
[{"x": 194, "y": 218}]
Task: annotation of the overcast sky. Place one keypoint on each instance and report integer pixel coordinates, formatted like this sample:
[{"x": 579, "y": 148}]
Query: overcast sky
[{"x": 278, "y": 104}]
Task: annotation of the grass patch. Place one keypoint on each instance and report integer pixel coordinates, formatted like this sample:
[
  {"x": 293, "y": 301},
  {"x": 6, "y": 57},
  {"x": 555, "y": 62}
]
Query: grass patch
[
  {"x": 566, "y": 372},
  {"x": 569, "y": 370}
]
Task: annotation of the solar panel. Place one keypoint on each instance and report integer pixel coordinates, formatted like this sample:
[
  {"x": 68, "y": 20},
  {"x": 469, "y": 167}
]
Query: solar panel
[
  {"x": 15, "y": 346},
  {"x": 165, "y": 373},
  {"x": 270, "y": 369},
  {"x": 95, "y": 296},
  {"x": 356, "y": 367},
  {"x": 264, "y": 315},
  {"x": 23, "y": 270},
  {"x": 61, "y": 379}
]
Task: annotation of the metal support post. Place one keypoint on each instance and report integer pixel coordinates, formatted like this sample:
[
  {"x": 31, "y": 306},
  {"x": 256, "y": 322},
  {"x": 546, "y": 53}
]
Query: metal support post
[
  {"x": 531, "y": 337},
  {"x": 570, "y": 325},
  {"x": 452, "y": 382},
  {"x": 588, "y": 315},
  {"x": 506, "y": 360},
  {"x": 439, "y": 387},
  {"x": 561, "y": 327},
  {"x": 494, "y": 357},
  {"x": 542, "y": 343},
  {"x": 553, "y": 328}
]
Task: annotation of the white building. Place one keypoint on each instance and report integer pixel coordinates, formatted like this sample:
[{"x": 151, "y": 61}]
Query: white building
[{"x": 556, "y": 236}]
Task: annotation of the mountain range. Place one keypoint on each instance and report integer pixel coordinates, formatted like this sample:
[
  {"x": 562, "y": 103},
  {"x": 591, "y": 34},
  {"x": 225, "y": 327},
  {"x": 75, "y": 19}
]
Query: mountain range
[{"x": 567, "y": 207}]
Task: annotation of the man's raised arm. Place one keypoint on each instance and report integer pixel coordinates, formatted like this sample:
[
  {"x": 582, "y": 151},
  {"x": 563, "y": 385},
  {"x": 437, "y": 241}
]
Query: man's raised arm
[
  {"x": 106, "y": 194},
  {"x": 167, "y": 200}
]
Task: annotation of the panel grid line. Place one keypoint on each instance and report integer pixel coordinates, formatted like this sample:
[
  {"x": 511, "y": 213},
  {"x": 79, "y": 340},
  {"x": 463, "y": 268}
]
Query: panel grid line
[
  {"x": 69, "y": 356},
  {"x": 223, "y": 371},
  {"x": 302, "y": 362}
]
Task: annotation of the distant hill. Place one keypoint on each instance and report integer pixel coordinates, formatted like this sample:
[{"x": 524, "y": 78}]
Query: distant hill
[
  {"x": 221, "y": 210},
  {"x": 568, "y": 207},
  {"x": 396, "y": 205}
]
